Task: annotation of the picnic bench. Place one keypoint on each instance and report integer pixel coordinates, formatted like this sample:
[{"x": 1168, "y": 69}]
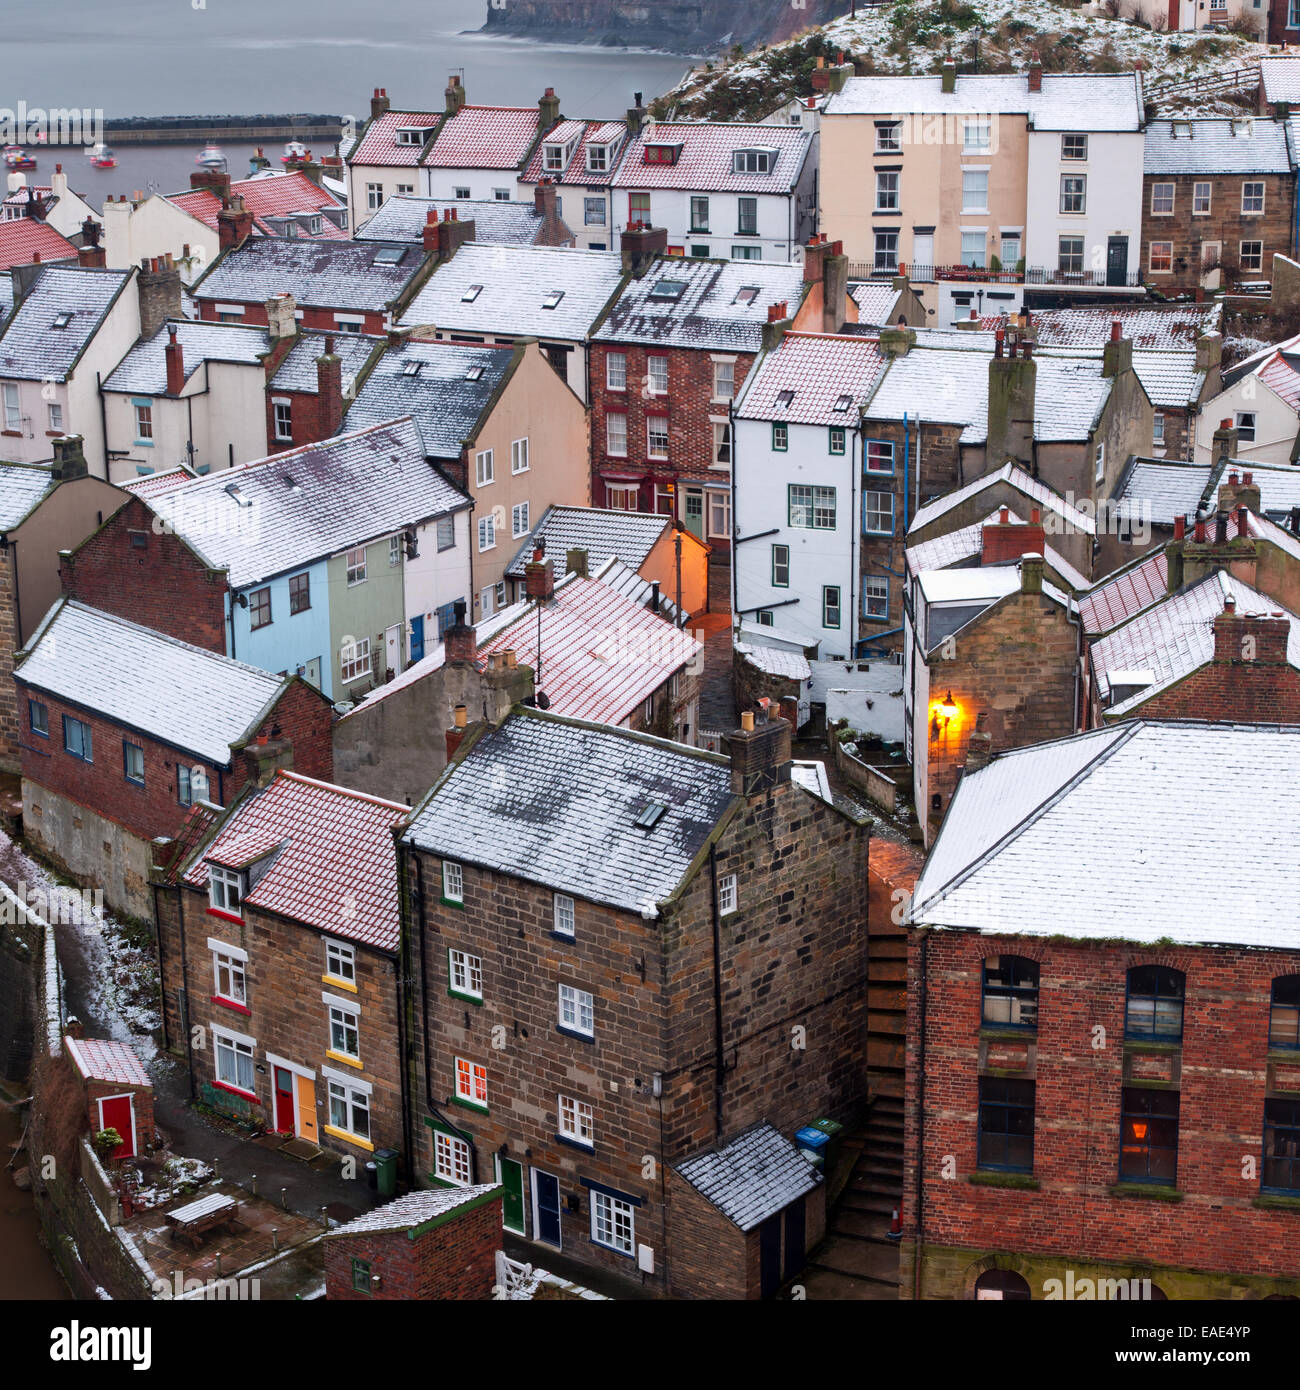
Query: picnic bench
[{"x": 194, "y": 1220}]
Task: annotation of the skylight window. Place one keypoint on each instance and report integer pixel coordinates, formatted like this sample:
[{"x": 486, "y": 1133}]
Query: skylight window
[
  {"x": 650, "y": 815},
  {"x": 471, "y": 294},
  {"x": 411, "y": 368},
  {"x": 61, "y": 320},
  {"x": 232, "y": 490},
  {"x": 747, "y": 294},
  {"x": 668, "y": 289},
  {"x": 552, "y": 300},
  {"x": 1181, "y": 129},
  {"x": 784, "y": 398},
  {"x": 474, "y": 374},
  {"x": 843, "y": 403},
  {"x": 292, "y": 483},
  {"x": 389, "y": 255}
]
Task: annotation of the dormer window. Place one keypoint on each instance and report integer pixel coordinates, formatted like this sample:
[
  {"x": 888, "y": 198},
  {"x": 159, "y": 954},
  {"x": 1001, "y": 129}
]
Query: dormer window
[
  {"x": 753, "y": 161},
  {"x": 411, "y": 135},
  {"x": 597, "y": 158},
  {"x": 554, "y": 157},
  {"x": 225, "y": 890},
  {"x": 1182, "y": 130},
  {"x": 662, "y": 154},
  {"x": 471, "y": 294},
  {"x": 552, "y": 299},
  {"x": 313, "y": 226}
]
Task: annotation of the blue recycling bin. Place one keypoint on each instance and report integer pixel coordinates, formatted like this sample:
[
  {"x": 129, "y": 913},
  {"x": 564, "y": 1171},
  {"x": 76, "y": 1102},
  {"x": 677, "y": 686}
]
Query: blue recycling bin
[{"x": 812, "y": 1144}]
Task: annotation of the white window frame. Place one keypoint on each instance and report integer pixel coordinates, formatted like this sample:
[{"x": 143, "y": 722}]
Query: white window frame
[
  {"x": 356, "y": 566},
  {"x": 354, "y": 660},
  {"x": 575, "y": 1120},
  {"x": 485, "y": 471},
  {"x": 724, "y": 378},
  {"x": 55, "y": 417},
  {"x": 451, "y": 1158},
  {"x": 1100, "y": 461},
  {"x": 355, "y": 1100},
  {"x": 656, "y": 373},
  {"x": 616, "y": 371},
  {"x": 571, "y": 1004},
  {"x": 487, "y": 533},
  {"x": 346, "y": 1015},
  {"x": 1246, "y": 432},
  {"x": 1255, "y": 258},
  {"x": 340, "y": 962},
  {"x": 564, "y": 916},
  {"x": 221, "y": 883},
  {"x": 471, "y": 1083},
  {"x": 656, "y": 425},
  {"x": 1208, "y": 196},
  {"x": 13, "y": 407},
  {"x": 283, "y": 411},
  {"x": 238, "y": 1045},
  {"x": 1252, "y": 211},
  {"x": 1074, "y": 135},
  {"x": 623, "y": 497},
  {"x": 889, "y": 138},
  {"x": 887, "y": 190},
  {"x": 977, "y": 136},
  {"x": 971, "y": 199},
  {"x": 465, "y": 973},
  {"x": 718, "y": 513},
  {"x": 616, "y": 433},
  {"x": 615, "y": 1217},
  {"x": 1070, "y": 195},
  {"x": 1158, "y": 427},
  {"x": 231, "y": 960},
  {"x": 519, "y": 520},
  {"x": 873, "y": 596},
  {"x": 1163, "y": 189},
  {"x": 453, "y": 881},
  {"x": 519, "y": 455},
  {"x": 374, "y": 196},
  {"x": 1152, "y": 268},
  {"x": 728, "y": 900}
]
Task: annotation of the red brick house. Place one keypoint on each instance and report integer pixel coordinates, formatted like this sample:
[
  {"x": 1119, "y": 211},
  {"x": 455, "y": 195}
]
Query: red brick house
[
  {"x": 122, "y": 729},
  {"x": 118, "y": 1092},
  {"x": 278, "y": 936},
  {"x": 1103, "y": 1077},
  {"x": 582, "y": 893},
  {"x": 310, "y": 378}
]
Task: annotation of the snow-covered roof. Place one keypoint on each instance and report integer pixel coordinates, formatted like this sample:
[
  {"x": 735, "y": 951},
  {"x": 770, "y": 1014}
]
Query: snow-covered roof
[
  {"x": 1072, "y": 101},
  {"x": 1216, "y": 145},
  {"x": 101, "y": 1059},
  {"x": 144, "y": 368},
  {"x": 31, "y": 348},
  {"x": 1158, "y": 490},
  {"x": 828, "y": 377},
  {"x": 1281, "y": 79},
  {"x": 6, "y": 296},
  {"x": 1175, "y": 636},
  {"x": 600, "y": 531},
  {"x": 751, "y": 1177},
  {"x": 484, "y": 137},
  {"x": 515, "y": 284},
  {"x": 772, "y": 661},
  {"x": 623, "y": 579},
  {"x": 22, "y": 485},
  {"x": 959, "y": 547},
  {"x": 1150, "y": 327},
  {"x": 1100, "y": 836},
  {"x": 1038, "y": 492},
  {"x": 263, "y": 518},
  {"x": 150, "y": 485},
  {"x": 1118, "y": 596},
  {"x": 706, "y": 161},
  {"x": 379, "y": 143},
  {"x": 346, "y": 275},
  {"x": 696, "y": 303},
  {"x": 446, "y": 396},
  {"x": 403, "y": 218},
  {"x": 24, "y": 239},
  {"x": 555, "y": 802},
  {"x": 335, "y": 865},
  {"x": 876, "y": 300},
  {"x": 273, "y": 194},
  {"x": 415, "y": 1210},
  {"x": 1170, "y": 379},
  {"x": 610, "y": 134},
  {"x": 193, "y": 699},
  {"x": 297, "y": 369}
]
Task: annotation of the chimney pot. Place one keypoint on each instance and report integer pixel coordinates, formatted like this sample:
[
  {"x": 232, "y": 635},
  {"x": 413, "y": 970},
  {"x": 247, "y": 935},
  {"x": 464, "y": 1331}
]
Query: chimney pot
[
  {"x": 1248, "y": 477},
  {"x": 1004, "y": 516},
  {"x": 1180, "y": 527},
  {"x": 747, "y": 721}
]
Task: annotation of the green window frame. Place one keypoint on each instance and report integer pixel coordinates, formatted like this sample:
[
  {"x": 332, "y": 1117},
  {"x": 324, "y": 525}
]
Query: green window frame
[
  {"x": 816, "y": 507},
  {"x": 780, "y": 436},
  {"x": 832, "y": 614},
  {"x": 780, "y": 566},
  {"x": 361, "y": 1276},
  {"x": 837, "y": 439}
]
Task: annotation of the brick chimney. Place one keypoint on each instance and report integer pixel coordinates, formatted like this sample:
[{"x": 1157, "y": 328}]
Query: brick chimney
[
  {"x": 948, "y": 76},
  {"x": 329, "y": 390},
  {"x": 760, "y": 754},
  {"x": 454, "y": 94},
  {"x": 979, "y": 747},
  {"x": 214, "y": 180},
  {"x": 429, "y": 232},
  {"x": 1256, "y": 639},
  {"x": 820, "y": 77},
  {"x": 1031, "y": 573},
  {"x": 456, "y": 734},
  {"x": 262, "y": 760},
  {"x": 159, "y": 289},
  {"x": 1005, "y": 540},
  {"x": 814, "y": 254},
  {"x": 575, "y": 561},
  {"x": 548, "y": 109},
  {"x": 91, "y": 257},
  {"x": 1239, "y": 491},
  {"x": 1224, "y": 443},
  {"x": 69, "y": 458},
  {"x": 234, "y": 224},
  {"x": 1117, "y": 355},
  {"x": 544, "y": 198},
  {"x": 453, "y": 233},
  {"x": 1035, "y": 75},
  {"x": 539, "y": 582},
  {"x": 282, "y": 317},
  {"x": 835, "y": 286},
  {"x": 458, "y": 642},
  {"x": 1210, "y": 550},
  {"x": 379, "y": 103},
  {"x": 640, "y": 245},
  {"x": 175, "y": 355},
  {"x": 896, "y": 342},
  {"x": 1012, "y": 381},
  {"x": 1209, "y": 351}
]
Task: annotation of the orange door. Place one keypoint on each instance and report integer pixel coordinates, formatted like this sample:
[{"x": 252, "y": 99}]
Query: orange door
[{"x": 307, "y": 1108}]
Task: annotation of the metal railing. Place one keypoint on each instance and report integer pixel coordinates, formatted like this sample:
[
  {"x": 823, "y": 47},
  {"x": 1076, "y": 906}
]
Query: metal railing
[
  {"x": 1234, "y": 80},
  {"x": 1034, "y": 275}
]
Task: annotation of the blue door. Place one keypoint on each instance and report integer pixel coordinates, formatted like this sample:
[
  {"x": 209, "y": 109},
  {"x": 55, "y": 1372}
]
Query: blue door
[
  {"x": 546, "y": 1208},
  {"x": 417, "y": 639}
]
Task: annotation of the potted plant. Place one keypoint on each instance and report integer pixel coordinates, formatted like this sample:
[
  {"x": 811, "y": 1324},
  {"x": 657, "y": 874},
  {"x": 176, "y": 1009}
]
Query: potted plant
[{"x": 106, "y": 1142}]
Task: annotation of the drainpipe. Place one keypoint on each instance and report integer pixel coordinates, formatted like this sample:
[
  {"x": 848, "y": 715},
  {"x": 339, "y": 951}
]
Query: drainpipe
[
  {"x": 103, "y": 417},
  {"x": 855, "y": 529},
  {"x": 1076, "y": 622},
  {"x": 185, "y": 985},
  {"x": 907, "y": 464},
  {"x": 920, "y": 1124},
  {"x": 717, "y": 996},
  {"x": 401, "y": 989}
]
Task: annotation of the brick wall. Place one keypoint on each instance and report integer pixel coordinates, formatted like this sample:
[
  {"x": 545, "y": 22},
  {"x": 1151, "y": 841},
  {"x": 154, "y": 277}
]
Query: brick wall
[
  {"x": 455, "y": 1260},
  {"x": 10, "y": 730},
  {"x": 143, "y": 1099},
  {"x": 323, "y": 319},
  {"x": 1223, "y": 1071},
  {"x": 161, "y": 584}
]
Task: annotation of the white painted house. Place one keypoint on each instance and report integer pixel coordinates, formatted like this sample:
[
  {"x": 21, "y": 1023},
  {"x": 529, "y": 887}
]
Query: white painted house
[
  {"x": 1261, "y": 400},
  {"x": 796, "y": 478}
]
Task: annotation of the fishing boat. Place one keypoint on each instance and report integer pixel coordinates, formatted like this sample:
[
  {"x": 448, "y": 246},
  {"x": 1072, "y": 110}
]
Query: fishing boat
[
  {"x": 210, "y": 157},
  {"x": 16, "y": 157},
  {"x": 101, "y": 157},
  {"x": 295, "y": 149}
]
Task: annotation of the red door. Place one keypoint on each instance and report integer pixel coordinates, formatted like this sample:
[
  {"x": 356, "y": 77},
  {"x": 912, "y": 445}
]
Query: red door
[
  {"x": 284, "y": 1101},
  {"x": 116, "y": 1112}
]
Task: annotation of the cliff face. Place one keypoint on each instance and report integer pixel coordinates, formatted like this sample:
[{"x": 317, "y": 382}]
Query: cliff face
[{"x": 678, "y": 26}]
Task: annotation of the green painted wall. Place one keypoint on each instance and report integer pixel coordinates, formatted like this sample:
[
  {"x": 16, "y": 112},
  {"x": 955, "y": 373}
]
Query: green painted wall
[{"x": 364, "y": 610}]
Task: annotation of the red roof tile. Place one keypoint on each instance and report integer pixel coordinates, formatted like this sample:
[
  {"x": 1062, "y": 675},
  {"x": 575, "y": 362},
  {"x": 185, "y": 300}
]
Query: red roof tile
[
  {"x": 576, "y": 171},
  {"x": 277, "y": 196},
  {"x": 98, "y": 1059},
  {"x": 379, "y": 143},
  {"x": 706, "y": 158},
  {"x": 483, "y": 137},
  {"x": 22, "y": 238},
  {"x": 1135, "y": 588}
]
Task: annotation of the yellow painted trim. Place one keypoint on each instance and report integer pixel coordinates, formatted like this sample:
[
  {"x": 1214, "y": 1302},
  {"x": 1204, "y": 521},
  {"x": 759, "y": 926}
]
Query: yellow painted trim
[
  {"x": 350, "y": 1138},
  {"x": 347, "y": 1061},
  {"x": 338, "y": 984}
]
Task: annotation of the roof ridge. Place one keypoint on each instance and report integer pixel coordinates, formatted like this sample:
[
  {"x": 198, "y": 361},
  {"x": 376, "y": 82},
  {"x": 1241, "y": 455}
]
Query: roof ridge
[{"x": 289, "y": 775}]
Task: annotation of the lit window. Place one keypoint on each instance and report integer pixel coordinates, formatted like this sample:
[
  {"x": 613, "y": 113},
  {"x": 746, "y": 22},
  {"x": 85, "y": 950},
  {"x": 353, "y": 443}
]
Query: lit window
[
  {"x": 356, "y": 565},
  {"x": 471, "y": 1083},
  {"x": 577, "y": 1121},
  {"x": 727, "y": 895},
  {"x": 1161, "y": 257},
  {"x": 564, "y": 915},
  {"x": 451, "y": 1159},
  {"x": 1148, "y": 1135},
  {"x": 577, "y": 1011},
  {"x": 225, "y": 889},
  {"x": 466, "y": 974},
  {"x": 453, "y": 882}
]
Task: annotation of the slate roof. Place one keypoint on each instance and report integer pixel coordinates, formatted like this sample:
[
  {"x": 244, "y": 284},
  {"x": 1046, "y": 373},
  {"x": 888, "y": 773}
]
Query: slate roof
[
  {"x": 1150, "y": 327},
  {"x": 753, "y": 1176},
  {"x": 412, "y": 1211},
  {"x": 515, "y": 282},
  {"x": 1039, "y": 492},
  {"x": 685, "y": 302},
  {"x": 603, "y": 655},
  {"x": 379, "y": 142},
  {"x": 1073, "y": 101},
  {"x": 335, "y": 865},
  {"x": 1158, "y": 490},
  {"x": 1100, "y": 835},
  {"x": 32, "y": 350},
  {"x": 1281, "y": 79},
  {"x": 99, "y": 1059},
  {"x": 343, "y": 275},
  {"x": 6, "y": 296},
  {"x": 484, "y": 137},
  {"x": 599, "y": 531},
  {"x": 349, "y": 490},
  {"x": 553, "y": 801},
  {"x": 277, "y": 195},
  {"x": 1217, "y": 145},
  {"x": 297, "y": 370},
  {"x": 820, "y": 369},
  {"x": 609, "y": 133},
  {"x": 402, "y": 219},
  {"x": 22, "y": 239},
  {"x": 22, "y": 485},
  {"x": 445, "y": 403},
  {"x": 144, "y": 368},
  {"x": 1129, "y": 590},
  {"x": 1175, "y": 637},
  {"x": 773, "y": 661},
  {"x": 196, "y": 700},
  {"x": 875, "y": 300},
  {"x": 706, "y": 160},
  {"x": 959, "y": 547}
]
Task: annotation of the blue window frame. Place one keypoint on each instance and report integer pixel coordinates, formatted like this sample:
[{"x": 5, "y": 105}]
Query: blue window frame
[
  {"x": 1148, "y": 1149},
  {"x": 77, "y": 739},
  {"x": 133, "y": 762},
  {"x": 878, "y": 456},
  {"x": 1010, "y": 992},
  {"x": 38, "y": 717},
  {"x": 1006, "y": 1124},
  {"x": 1284, "y": 1013},
  {"x": 1281, "y": 1147},
  {"x": 1154, "y": 1007},
  {"x": 142, "y": 409}
]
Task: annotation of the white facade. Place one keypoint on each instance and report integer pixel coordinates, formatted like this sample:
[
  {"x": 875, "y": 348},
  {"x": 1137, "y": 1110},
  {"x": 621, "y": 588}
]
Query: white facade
[
  {"x": 437, "y": 578},
  {"x": 484, "y": 185},
  {"x": 157, "y": 227},
  {"x": 1255, "y": 409},
  {"x": 1109, "y": 221},
  {"x": 774, "y": 491}
]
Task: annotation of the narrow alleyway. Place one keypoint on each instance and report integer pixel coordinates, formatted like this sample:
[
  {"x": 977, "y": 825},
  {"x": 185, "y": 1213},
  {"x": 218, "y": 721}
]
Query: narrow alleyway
[{"x": 718, "y": 691}]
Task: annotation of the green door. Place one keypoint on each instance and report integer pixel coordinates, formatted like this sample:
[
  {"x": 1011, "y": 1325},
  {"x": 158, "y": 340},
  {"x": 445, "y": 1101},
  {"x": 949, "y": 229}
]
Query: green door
[
  {"x": 511, "y": 1177},
  {"x": 695, "y": 512}
]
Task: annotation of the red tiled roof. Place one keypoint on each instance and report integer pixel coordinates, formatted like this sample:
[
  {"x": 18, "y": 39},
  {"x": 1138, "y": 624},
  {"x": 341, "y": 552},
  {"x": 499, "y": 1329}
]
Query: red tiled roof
[
  {"x": 576, "y": 171},
  {"x": 155, "y": 484},
  {"x": 1133, "y": 589},
  {"x": 1279, "y": 374},
  {"x": 603, "y": 655},
  {"x": 483, "y": 137},
  {"x": 706, "y": 158},
  {"x": 277, "y": 196},
  {"x": 819, "y": 369},
  {"x": 336, "y": 866},
  {"x": 23, "y": 237},
  {"x": 98, "y": 1059},
  {"x": 379, "y": 143}
]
